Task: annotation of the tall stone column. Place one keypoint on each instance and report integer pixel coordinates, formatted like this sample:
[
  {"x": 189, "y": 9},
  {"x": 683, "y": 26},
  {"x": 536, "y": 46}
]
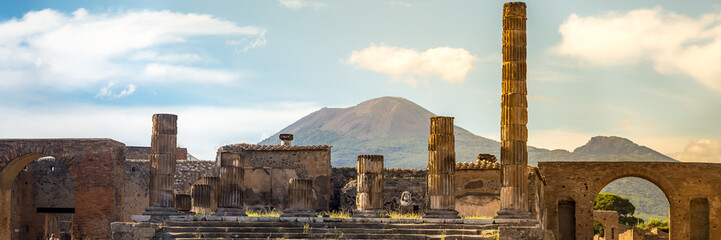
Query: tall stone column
[
  {"x": 230, "y": 196},
  {"x": 162, "y": 165},
  {"x": 441, "y": 167},
  {"x": 514, "y": 114},
  {"x": 369, "y": 197},
  {"x": 300, "y": 198},
  {"x": 201, "y": 197}
]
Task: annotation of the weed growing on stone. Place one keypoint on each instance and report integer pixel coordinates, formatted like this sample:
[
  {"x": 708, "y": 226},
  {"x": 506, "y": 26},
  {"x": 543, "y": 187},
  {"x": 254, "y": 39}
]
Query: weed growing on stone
[
  {"x": 262, "y": 213},
  {"x": 402, "y": 215}
]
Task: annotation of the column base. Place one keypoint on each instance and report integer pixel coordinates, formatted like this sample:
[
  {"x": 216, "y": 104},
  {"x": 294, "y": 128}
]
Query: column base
[
  {"x": 294, "y": 212},
  {"x": 368, "y": 214},
  {"x": 440, "y": 213},
  {"x": 235, "y": 212},
  {"x": 513, "y": 214}
]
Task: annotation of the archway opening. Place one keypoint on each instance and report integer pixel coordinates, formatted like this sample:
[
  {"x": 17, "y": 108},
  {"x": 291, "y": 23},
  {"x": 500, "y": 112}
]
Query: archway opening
[
  {"x": 41, "y": 196},
  {"x": 641, "y": 207}
]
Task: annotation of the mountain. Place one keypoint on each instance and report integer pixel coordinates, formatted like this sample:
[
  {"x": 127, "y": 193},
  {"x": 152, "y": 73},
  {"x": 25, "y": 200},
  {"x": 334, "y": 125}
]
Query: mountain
[
  {"x": 398, "y": 129},
  {"x": 391, "y": 126},
  {"x": 617, "y": 146}
]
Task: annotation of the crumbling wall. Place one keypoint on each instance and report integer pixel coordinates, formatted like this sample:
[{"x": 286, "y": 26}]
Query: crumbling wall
[
  {"x": 397, "y": 180},
  {"x": 269, "y": 167},
  {"x": 478, "y": 192},
  {"x": 96, "y": 167},
  {"x": 137, "y": 181}
]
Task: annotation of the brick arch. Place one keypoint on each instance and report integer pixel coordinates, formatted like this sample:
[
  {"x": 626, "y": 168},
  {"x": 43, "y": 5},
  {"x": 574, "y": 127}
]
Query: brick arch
[
  {"x": 582, "y": 181},
  {"x": 640, "y": 172},
  {"x": 96, "y": 167}
]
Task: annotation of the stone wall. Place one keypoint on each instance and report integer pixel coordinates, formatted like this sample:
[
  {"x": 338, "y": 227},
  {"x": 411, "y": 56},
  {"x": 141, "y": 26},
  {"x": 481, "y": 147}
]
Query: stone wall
[
  {"x": 477, "y": 189},
  {"x": 45, "y": 187},
  {"x": 478, "y": 192},
  {"x": 135, "y": 198},
  {"x": 396, "y": 182},
  {"x": 269, "y": 167},
  {"x": 578, "y": 183},
  {"x": 96, "y": 167},
  {"x": 135, "y": 152}
]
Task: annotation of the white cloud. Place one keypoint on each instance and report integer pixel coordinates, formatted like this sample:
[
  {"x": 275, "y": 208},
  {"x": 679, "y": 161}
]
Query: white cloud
[
  {"x": 542, "y": 99},
  {"x": 298, "y": 4},
  {"x": 404, "y": 64},
  {"x": 166, "y": 72},
  {"x": 674, "y": 43},
  {"x": 399, "y": 4},
  {"x": 702, "y": 150},
  {"x": 51, "y": 49},
  {"x": 201, "y": 129},
  {"x": 107, "y": 91}
]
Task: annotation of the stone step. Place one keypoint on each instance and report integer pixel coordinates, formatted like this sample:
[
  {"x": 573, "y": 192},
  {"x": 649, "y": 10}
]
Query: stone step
[
  {"x": 321, "y": 230},
  {"x": 319, "y": 236},
  {"x": 327, "y": 225}
]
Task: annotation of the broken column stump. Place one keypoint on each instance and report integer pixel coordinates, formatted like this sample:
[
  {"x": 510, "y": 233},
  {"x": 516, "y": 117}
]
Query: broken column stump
[
  {"x": 183, "y": 203},
  {"x": 230, "y": 194},
  {"x": 441, "y": 167},
  {"x": 369, "y": 199},
  {"x": 300, "y": 198},
  {"x": 162, "y": 167}
]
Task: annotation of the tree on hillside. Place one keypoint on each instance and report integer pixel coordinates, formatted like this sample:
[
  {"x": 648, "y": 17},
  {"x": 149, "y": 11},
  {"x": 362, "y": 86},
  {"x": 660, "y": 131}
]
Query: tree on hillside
[{"x": 624, "y": 207}]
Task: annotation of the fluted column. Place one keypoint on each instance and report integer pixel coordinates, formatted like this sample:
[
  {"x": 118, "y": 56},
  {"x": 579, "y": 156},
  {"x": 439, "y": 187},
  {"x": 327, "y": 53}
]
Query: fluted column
[
  {"x": 230, "y": 196},
  {"x": 162, "y": 165},
  {"x": 300, "y": 198},
  {"x": 369, "y": 197},
  {"x": 183, "y": 203},
  {"x": 441, "y": 167},
  {"x": 214, "y": 183},
  {"x": 201, "y": 195},
  {"x": 514, "y": 114}
]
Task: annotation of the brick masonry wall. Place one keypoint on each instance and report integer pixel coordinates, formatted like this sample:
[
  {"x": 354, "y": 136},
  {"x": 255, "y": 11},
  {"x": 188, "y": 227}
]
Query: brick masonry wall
[
  {"x": 681, "y": 182},
  {"x": 96, "y": 167}
]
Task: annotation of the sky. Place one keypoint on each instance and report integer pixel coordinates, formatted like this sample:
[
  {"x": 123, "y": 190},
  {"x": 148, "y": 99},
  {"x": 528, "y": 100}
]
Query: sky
[{"x": 240, "y": 71}]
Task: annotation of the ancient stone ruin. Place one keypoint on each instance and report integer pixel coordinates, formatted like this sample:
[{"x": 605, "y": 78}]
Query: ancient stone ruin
[
  {"x": 102, "y": 189},
  {"x": 514, "y": 116}
]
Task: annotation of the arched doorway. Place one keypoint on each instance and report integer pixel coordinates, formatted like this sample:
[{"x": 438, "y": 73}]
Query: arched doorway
[
  {"x": 567, "y": 219},
  {"x": 43, "y": 201},
  {"x": 631, "y": 204}
]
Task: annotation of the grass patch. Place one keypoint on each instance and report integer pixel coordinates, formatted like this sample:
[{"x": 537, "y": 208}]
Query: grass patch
[
  {"x": 261, "y": 213},
  {"x": 402, "y": 215},
  {"x": 335, "y": 214}
]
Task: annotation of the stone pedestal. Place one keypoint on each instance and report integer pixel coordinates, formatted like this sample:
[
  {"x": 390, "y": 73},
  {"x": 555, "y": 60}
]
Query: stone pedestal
[
  {"x": 514, "y": 114},
  {"x": 230, "y": 196},
  {"x": 201, "y": 199},
  {"x": 162, "y": 166},
  {"x": 441, "y": 167},
  {"x": 369, "y": 198},
  {"x": 300, "y": 198},
  {"x": 183, "y": 202}
]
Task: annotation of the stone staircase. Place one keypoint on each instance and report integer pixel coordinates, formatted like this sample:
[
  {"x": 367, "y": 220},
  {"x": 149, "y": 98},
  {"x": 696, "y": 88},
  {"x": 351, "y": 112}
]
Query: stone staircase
[{"x": 322, "y": 230}]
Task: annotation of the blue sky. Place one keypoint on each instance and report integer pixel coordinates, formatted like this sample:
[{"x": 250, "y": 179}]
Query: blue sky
[{"x": 238, "y": 71}]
